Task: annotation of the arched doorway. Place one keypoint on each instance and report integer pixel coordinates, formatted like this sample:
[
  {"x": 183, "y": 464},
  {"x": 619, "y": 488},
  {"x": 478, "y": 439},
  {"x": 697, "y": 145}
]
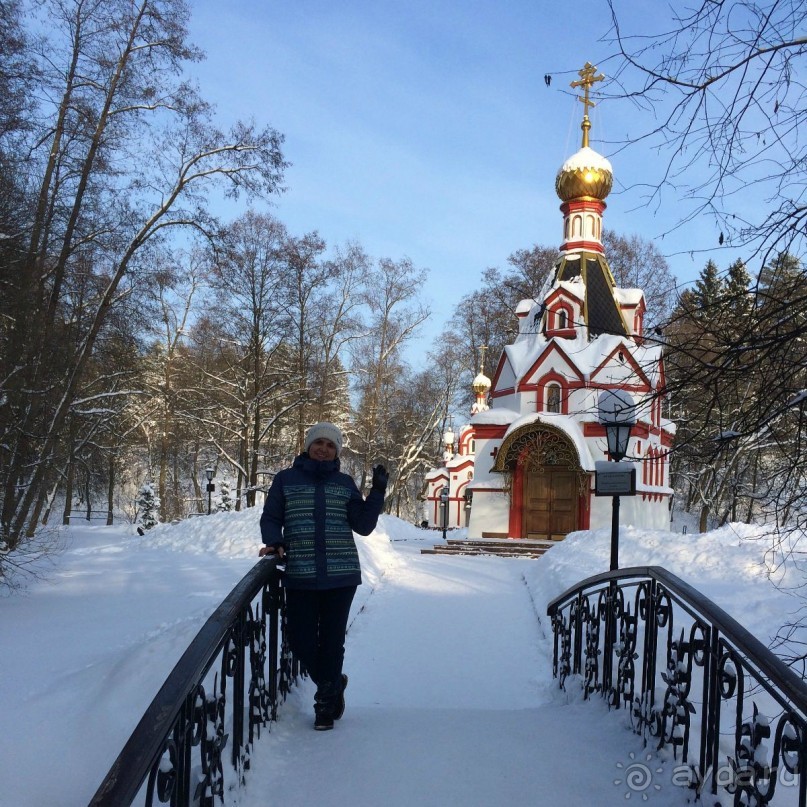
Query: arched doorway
[{"x": 548, "y": 488}]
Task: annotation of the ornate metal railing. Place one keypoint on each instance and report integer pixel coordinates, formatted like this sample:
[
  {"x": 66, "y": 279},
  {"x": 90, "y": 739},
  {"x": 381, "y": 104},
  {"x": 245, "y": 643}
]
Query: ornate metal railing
[
  {"x": 695, "y": 682},
  {"x": 222, "y": 691}
]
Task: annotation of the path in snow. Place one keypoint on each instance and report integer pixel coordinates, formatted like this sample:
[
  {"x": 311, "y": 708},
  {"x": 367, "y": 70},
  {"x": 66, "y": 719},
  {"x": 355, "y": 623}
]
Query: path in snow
[{"x": 442, "y": 711}]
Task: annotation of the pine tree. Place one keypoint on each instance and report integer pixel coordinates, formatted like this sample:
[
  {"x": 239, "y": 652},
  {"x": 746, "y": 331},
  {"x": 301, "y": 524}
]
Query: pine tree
[
  {"x": 709, "y": 288},
  {"x": 148, "y": 506},
  {"x": 225, "y": 502}
]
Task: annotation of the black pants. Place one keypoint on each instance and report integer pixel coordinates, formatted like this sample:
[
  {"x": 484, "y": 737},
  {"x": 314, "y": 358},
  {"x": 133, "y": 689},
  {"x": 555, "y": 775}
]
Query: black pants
[{"x": 317, "y": 623}]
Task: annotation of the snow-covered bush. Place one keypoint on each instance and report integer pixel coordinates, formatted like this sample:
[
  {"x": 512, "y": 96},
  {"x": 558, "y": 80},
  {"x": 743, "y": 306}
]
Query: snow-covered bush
[
  {"x": 225, "y": 502},
  {"x": 148, "y": 506}
]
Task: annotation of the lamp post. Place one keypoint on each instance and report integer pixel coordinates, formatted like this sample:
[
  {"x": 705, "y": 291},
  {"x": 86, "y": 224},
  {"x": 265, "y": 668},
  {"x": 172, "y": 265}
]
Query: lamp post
[
  {"x": 444, "y": 509},
  {"x": 617, "y": 413},
  {"x": 210, "y": 473}
]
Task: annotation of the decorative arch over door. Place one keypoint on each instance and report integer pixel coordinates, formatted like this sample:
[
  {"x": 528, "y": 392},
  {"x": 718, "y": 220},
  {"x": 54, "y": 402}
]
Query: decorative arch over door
[{"x": 549, "y": 490}]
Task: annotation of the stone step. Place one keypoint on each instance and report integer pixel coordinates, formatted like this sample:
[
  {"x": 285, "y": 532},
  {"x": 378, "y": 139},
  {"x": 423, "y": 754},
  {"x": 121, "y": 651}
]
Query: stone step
[
  {"x": 501, "y": 548},
  {"x": 502, "y": 542}
]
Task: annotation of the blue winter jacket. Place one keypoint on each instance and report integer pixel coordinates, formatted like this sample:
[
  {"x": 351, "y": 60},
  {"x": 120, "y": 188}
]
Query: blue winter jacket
[{"x": 311, "y": 510}]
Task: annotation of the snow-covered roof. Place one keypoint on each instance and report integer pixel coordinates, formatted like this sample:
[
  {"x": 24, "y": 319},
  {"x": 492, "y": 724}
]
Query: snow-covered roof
[
  {"x": 628, "y": 296},
  {"x": 460, "y": 460},
  {"x": 576, "y": 287},
  {"x": 493, "y": 482},
  {"x": 588, "y": 354},
  {"x": 495, "y": 417},
  {"x": 524, "y": 306}
]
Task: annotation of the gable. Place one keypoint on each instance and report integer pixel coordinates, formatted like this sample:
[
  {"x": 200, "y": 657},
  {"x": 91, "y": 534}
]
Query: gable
[
  {"x": 504, "y": 378},
  {"x": 553, "y": 358},
  {"x": 621, "y": 368}
]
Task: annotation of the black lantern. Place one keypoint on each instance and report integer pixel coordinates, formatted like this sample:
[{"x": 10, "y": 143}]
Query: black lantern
[
  {"x": 444, "y": 509},
  {"x": 617, "y": 413},
  {"x": 618, "y": 435},
  {"x": 210, "y": 473}
]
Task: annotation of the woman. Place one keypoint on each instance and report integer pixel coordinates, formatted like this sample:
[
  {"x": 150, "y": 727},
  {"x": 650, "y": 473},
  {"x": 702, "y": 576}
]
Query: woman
[{"x": 308, "y": 520}]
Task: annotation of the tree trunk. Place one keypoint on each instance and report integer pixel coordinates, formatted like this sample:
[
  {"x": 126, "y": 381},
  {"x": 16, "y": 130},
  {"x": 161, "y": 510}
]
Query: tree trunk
[
  {"x": 110, "y": 490},
  {"x": 704, "y": 520}
]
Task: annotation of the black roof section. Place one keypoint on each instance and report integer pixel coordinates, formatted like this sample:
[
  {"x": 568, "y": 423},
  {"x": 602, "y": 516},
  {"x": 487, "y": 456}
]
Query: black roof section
[{"x": 601, "y": 311}]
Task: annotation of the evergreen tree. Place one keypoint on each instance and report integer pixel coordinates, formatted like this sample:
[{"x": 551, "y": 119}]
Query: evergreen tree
[
  {"x": 738, "y": 290},
  {"x": 148, "y": 506},
  {"x": 709, "y": 288},
  {"x": 225, "y": 502}
]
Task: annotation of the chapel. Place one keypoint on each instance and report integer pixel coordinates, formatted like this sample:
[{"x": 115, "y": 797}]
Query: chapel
[{"x": 524, "y": 466}]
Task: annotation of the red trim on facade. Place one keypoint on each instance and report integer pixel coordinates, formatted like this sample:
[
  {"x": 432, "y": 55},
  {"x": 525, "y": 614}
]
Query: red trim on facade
[
  {"x": 464, "y": 464},
  {"x": 561, "y": 333},
  {"x": 490, "y": 431},
  {"x": 562, "y": 293},
  {"x": 514, "y": 529},
  {"x": 583, "y": 246},
  {"x": 582, "y": 203},
  {"x": 584, "y": 510},
  {"x": 593, "y": 430},
  {"x": 644, "y": 387},
  {"x": 574, "y": 372},
  {"x": 557, "y": 379},
  {"x": 499, "y": 367}
]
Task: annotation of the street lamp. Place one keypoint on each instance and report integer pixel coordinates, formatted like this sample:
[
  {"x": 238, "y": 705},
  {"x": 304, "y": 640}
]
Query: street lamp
[
  {"x": 210, "y": 473},
  {"x": 617, "y": 413},
  {"x": 444, "y": 509}
]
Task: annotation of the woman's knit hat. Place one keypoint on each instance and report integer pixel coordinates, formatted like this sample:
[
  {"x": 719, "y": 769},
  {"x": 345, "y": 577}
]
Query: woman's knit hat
[{"x": 326, "y": 430}]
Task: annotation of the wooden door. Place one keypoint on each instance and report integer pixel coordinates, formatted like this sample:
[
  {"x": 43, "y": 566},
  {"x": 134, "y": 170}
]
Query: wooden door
[{"x": 550, "y": 504}]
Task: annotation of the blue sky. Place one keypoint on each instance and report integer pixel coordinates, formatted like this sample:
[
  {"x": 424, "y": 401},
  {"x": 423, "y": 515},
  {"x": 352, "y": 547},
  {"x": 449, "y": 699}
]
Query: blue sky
[{"x": 425, "y": 129}]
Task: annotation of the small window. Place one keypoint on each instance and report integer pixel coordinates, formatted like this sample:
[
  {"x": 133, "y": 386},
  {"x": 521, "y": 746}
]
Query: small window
[
  {"x": 553, "y": 399},
  {"x": 563, "y": 320}
]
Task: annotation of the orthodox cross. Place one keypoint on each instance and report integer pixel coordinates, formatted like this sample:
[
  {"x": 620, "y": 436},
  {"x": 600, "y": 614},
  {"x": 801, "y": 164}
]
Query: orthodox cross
[
  {"x": 482, "y": 349},
  {"x": 587, "y": 81}
]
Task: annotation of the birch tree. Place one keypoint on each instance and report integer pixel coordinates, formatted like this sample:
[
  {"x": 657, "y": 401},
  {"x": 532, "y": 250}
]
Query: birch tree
[
  {"x": 394, "y": 312},
  {"x": 123, "y": 152}
]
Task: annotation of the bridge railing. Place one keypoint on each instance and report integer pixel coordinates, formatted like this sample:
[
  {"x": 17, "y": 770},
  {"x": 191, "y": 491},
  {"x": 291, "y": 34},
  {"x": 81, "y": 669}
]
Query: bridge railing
[
  {"x": 694, "y": 680},
  {"x": 197, "y": 734}
]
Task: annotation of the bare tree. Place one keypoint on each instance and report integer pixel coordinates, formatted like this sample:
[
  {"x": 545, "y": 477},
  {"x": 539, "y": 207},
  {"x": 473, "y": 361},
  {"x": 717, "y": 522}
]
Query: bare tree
[
  {"x": 307, "y": 278},
  {"x": 255, "y": 376},
  {"x": 394, "y": 312},
  {"x": 173, "y": 289},
  {"x": 637, "y": 263},
  {"x": 123, "y": 152},
  {"x": 723, "y": 83},
  {"x": 337, "y": 325}
]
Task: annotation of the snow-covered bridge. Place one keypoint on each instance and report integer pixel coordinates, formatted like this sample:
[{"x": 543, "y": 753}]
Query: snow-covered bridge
[{"x": 451, "y": 697}]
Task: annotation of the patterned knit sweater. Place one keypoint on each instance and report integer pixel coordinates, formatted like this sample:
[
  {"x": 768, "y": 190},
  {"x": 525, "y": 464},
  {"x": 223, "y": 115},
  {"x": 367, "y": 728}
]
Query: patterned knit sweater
[{"x": 311, "y": 510}]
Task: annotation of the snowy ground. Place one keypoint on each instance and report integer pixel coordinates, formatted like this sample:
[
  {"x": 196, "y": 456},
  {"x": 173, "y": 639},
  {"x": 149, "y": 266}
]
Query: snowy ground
[{"x": 451, "y": 699}]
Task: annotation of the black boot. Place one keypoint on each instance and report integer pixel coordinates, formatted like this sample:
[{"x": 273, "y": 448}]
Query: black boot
[
  {"x": 339, "y": 706},
  {"x": 324, "y": 703}
]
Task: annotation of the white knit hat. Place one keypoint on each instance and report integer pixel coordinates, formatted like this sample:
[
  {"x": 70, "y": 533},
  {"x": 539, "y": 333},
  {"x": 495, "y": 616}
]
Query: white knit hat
[{"x": 326, "y": 430}]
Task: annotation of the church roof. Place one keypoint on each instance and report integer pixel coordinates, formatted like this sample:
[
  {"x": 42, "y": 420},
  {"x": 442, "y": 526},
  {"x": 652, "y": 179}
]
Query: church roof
[
  {"x": 601, "y": 312},
  {"x": 588, "y": 356},
  {"x": 629, "y": 297}
]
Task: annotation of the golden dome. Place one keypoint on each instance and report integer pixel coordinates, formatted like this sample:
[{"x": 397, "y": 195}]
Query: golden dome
[
  {"x": 586, "y": 173},
  {"x": 481, "y": 384}
]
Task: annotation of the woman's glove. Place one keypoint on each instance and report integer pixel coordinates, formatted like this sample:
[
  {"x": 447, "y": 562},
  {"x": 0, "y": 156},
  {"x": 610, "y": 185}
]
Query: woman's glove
[{"x": 380, "y": 478}]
